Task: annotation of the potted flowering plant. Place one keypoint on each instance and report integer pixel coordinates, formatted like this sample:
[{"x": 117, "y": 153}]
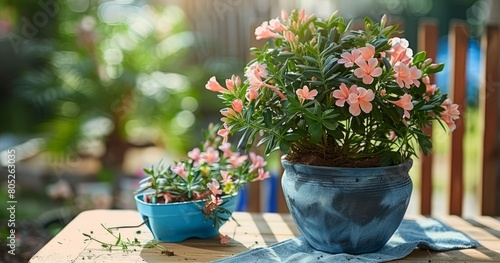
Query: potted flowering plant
[
  {"x": 327, "y": 96},
  {"x": 196, "y": 195}
]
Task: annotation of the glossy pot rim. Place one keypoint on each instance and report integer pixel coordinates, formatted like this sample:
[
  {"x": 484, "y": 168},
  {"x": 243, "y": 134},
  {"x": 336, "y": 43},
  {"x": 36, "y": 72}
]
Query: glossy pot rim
[
  {"x": 138, "y": 198},
  {"x": 347, "y": 171}
]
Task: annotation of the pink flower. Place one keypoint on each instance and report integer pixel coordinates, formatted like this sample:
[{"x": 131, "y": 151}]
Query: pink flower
[
  {"x": 256, "y": 69},
  {"x": 224, "y": 133},
  {"x": 237, "y": 105},
  {"x": 415, "y": 75},
  {"x": 210, "y": 156},
  {"x": 383, "y": 92},
  {"x": 450, "y": 113},
  {"x": 342, "y": 94},
  {"x": 392, "y": 135},
  {"x": 236, "y": 160},
  {"x": 224, "y": 239},
  {"x": 367, "y": 70},
  {"x": 291, "y": 37},
  {"x": 361, "y": 101},
  {"x": 349, "y": 58},
  {"x": 284, "y": 15},
  {"x": 215, "y": 200},
  {"x": 252, "y": 94},
  {"x": 232, "y": 82},
  {"x": 227, "y": 112},
  {"x": 213, "y": 85},
  {"x": 225, "y": 176},
  {"x": 262, "y": 174},
  {"x": 264, "y": 31},
  {"x": 257, "y": 161},
  {"x": 180, "y": 170},
  {"x": 405, "y": 103},
  {"x": 400, "y": 51},
  {"x": 226, "y": 149},
  {"x": 303, "y": 17},
  {"x": 255, "y": 73},
  {"x": 406, "y": 76},
  {"x": 367, "y": 52},
  {"x": 305, "y": 94},
  {"x": 275, "y": 25},
  {"x": 214, "y": 187},
  {"x": 429, "y": 88},
  {"x": 195, "y": 155}
]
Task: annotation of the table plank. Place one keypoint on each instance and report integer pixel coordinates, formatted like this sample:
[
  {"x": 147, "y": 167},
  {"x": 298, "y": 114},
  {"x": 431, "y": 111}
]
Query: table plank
[{"x": 249, "y": 231}]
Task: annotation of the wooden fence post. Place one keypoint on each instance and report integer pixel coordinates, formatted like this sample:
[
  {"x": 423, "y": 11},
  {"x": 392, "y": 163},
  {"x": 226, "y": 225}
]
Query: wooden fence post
[
  {"x": 489, "y": 110},
  {"x": 458, "y": 45},
  {"x": 428, "y": 41}
]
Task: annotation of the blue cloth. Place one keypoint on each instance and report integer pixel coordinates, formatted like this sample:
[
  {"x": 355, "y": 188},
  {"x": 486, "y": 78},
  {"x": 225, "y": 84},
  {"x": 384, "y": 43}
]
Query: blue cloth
[{"x": 425, "y": 233}]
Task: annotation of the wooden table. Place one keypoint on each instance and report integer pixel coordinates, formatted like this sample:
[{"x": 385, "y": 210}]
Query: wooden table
[{"x": 254, "y": 230}]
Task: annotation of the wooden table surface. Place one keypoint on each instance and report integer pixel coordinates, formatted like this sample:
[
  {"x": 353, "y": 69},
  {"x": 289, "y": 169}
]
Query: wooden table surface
[{"x": 254, "y": 230}]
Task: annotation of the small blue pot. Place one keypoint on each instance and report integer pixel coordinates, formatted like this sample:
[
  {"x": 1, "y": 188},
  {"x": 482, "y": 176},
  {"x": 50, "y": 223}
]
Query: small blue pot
[
  {"x": 177, "y": 222},
  {"x": 347, "y": 210}
]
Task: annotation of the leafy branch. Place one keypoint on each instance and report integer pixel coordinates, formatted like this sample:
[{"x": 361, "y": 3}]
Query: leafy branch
[{"x": 124, "y": 244}]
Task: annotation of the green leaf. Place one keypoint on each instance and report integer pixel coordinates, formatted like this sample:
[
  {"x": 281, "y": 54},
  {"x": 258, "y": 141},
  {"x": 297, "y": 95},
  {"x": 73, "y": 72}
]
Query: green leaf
[
  {"x": 387, "y": 64},
  {"x": 286, "y": 54},
  {"x": 419, "y": 57},
  {"x": 244, "y": 138},
  {"x": 330, "y": 125},
  {"x": 315, "y": 131},
  {"x": 292, "y": 137},
  {"x": 320, "y": 24},
  {"x": 330, "y": 114},
  {"x": 267, "y": 118},
  {"x": 314, "y": 69},
  {"x": 311, "y": 115},
  {"x": 368, "y": 23},
  {"x": 249, "y": 113},
  {"x": 438, "y": 68},
  {"x": 118, "y": 239},
  {"x": 284, "y": 146},
  {"x": 330, "y": 61},
  {"x": 311, "y": 59},
  {"x": 271, "y": 144}
]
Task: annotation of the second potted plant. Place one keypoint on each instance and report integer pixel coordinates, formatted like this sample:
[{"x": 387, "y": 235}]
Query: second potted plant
[{"x": 195, "y": 196}]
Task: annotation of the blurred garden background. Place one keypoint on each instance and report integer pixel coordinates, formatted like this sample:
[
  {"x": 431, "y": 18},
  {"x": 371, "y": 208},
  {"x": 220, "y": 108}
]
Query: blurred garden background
[{"x": 93, "y": 91}]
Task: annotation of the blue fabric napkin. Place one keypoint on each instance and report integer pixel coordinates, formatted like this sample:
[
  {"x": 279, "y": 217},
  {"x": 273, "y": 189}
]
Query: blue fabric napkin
[{"x": 425, "y": 233}]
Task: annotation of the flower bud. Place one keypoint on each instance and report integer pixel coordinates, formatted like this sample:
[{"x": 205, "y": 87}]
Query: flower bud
[
  {"x": 428, "y": 61},
  {"x": 383, "y": 20},
  {"x": 284, "y": 15}
]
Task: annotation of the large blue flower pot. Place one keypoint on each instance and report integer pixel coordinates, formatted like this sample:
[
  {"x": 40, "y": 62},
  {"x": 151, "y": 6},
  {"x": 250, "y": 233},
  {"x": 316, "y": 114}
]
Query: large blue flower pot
[
  {"x": 347, "y": 210},
  {"x": 177, "y": 222}
]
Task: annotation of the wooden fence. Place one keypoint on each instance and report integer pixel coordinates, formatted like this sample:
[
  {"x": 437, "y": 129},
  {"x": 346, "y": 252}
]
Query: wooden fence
[{"x": 488, "y": 103}]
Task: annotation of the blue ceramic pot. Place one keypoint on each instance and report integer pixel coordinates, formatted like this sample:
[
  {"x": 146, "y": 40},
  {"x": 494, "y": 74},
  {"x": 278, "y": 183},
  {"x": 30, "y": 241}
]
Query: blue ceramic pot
[
  {"x": 177, "y": 222},
  {"x": 347, "y": 210}
]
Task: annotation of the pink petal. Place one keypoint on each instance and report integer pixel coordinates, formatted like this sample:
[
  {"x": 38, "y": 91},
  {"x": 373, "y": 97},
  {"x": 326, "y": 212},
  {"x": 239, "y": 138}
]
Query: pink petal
[
  {"x": 366, "y": 106},
  {"x": 359, "y": 72},
  {"x": 376, "y": 72},
  {"x": 354, "y": 109},
  {"x": 367, "y": 79}
]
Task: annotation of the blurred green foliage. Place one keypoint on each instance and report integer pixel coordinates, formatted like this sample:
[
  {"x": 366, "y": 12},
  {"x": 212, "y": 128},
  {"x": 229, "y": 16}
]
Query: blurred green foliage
[{"x": 105, "y": 75}]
